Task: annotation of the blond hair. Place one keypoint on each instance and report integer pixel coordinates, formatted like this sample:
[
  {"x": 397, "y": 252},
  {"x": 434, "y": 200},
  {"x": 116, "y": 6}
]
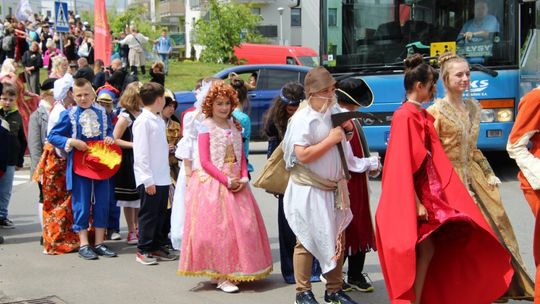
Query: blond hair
[
  {"x": 130, "y": 99},
  {"x": 445, "y": 61},
  {"x": 57, "y": 65}
]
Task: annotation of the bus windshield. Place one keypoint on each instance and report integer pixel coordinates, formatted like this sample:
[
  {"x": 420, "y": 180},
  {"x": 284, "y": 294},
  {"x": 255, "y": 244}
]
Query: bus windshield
[{"x": 365, "y": 34}]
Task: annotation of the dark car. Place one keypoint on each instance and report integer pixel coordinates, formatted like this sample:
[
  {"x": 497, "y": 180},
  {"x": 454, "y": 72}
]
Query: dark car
[{"x": 270, "y": 79}]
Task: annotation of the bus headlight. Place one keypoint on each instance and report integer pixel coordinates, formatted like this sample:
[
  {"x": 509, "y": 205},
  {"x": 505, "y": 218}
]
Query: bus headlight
[
  {"x": 487, "y": 115},
  {"x": 505, "y": 115}
]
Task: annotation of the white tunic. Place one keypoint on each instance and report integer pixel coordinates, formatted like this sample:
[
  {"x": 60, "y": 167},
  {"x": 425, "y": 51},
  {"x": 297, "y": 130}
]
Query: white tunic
[{"x": 311, "y": 212}]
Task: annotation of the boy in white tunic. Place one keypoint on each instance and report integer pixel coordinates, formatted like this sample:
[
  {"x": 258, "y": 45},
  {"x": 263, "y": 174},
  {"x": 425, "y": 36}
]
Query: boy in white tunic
[{"x": 316, "y": 212}]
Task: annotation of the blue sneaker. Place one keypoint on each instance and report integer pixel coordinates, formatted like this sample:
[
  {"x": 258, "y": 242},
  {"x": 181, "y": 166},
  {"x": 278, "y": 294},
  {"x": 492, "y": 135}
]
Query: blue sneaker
[
  {"x": 339, "y": 297},
  {"x": 305, "y": 297}
]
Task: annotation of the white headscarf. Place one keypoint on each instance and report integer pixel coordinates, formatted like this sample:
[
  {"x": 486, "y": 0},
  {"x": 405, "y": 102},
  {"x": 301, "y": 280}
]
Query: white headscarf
[{"x": 62, "y": 86}]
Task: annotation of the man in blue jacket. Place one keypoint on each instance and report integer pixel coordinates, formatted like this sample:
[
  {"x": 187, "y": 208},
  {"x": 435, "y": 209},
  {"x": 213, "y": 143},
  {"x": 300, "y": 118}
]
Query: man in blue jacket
[{"x": 163, "y": 46}]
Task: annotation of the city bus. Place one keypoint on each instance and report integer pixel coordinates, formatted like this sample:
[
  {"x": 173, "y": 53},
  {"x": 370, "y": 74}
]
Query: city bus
[{"x": 368, "y": 39}]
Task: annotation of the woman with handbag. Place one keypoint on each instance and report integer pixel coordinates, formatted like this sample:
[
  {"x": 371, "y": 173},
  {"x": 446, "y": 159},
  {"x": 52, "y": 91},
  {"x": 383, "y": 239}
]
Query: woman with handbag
[
  {"x": 277, "y": 118},
  {"x": 136, "y": 56}
]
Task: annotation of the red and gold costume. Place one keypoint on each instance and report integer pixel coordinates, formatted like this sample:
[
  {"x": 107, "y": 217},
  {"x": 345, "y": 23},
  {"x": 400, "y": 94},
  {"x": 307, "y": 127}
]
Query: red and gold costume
[
  {"x": 525, "y": 131},
  {"x": 469, "y": 265}
]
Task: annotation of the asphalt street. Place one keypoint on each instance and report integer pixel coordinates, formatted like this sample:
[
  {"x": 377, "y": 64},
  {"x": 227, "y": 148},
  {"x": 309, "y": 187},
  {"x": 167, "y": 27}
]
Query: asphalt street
[{"x": 26, "y": 273}]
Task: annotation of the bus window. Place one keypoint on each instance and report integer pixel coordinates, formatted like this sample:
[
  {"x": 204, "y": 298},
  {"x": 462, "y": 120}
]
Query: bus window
[{"x": 384, "y": 33}]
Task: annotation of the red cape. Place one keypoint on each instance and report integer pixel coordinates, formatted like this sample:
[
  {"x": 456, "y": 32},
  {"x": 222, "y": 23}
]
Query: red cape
[
  {"x": 360, "y": 235},
  {"x": 476, "y": 271}
]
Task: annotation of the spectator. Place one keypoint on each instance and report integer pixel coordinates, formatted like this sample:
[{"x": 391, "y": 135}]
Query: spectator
[
  {"x": 32, "y": 62},
  {"x": 163, "y": 47},
  {"x": 86, "y": 48},
  {"x": 135, "y": 41},
  {"x": 70, "y": 48},
  {"x": 84, "y": 71},
  {"x": 157, "y": 73},
  {"x": 8, "y": 43},
  {"x": 60, "y": 67},
  {"x": 17, "y": 146},
  {"x": 100, "y": 76},
  {"x": 118, "y": 75}
]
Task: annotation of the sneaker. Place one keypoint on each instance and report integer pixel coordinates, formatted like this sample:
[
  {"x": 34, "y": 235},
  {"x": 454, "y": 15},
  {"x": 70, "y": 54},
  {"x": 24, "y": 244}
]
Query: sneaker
[
  {"x": 132, "y": 238},
  {"x": 361, "y": 284},
  {"x": 86, "y": 252},
  {"x": 227, "y": 286},
  {"x": 146, "y": 258},
  {"x": 164, "y": 255},
  {"x": 339, "y": 297},
  {"x": 103, "y": 250},
  {"x": 305, "y": 297},
  {"x": 115, "y": 236},
  {"x": 6, "y": 224},
  {"x": 346, "y": 287}
]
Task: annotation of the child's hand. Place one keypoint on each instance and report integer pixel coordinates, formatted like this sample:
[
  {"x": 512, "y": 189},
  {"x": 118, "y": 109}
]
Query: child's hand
[
  {"x": 79, "y": 145},
  {"x": 237, "y": 189},
  {"x": 347, "y": 126},
  {"x": 235, "y": 183},
  {"x": 151, "y": 190},
  {"x": 108, "y": 140},
  {"x": 336, "y": 135},
  {"x": 421, "y": 212}
]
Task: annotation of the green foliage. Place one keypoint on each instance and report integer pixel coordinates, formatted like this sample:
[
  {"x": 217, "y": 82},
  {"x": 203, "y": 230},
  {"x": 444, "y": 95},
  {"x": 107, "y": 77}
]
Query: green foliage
[
  {"x": 228, "y": 24},
  {"x": 89, "y": 17},
  {"x": 119, "y": 22}
]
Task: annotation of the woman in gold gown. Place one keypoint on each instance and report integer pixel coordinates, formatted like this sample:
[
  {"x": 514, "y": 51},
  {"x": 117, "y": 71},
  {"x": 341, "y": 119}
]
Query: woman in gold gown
[{"x": 457, "y": 121}]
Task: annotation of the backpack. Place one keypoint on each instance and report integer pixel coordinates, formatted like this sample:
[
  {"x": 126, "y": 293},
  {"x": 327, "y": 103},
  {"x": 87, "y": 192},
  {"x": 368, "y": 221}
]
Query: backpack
[{"x": 7, "y": 43}]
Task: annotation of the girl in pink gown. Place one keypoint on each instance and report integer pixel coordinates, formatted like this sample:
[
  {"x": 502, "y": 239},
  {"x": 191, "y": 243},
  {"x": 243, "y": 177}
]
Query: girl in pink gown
[{"x": 224, "y": 233}]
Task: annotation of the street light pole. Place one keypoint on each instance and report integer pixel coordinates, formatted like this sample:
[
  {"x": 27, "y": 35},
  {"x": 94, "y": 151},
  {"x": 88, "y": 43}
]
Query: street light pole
[{"x": 280, "y": 10}]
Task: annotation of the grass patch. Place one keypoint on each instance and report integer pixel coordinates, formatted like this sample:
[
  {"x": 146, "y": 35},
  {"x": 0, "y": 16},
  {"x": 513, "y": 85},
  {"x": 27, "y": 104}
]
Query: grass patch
[{"x": 182, "y": 75}]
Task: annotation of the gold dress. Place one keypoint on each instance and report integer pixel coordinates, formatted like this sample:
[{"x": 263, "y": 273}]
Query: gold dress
[
  {"x": 458, "y": 132},
  {"x": 174, "y": 134}
]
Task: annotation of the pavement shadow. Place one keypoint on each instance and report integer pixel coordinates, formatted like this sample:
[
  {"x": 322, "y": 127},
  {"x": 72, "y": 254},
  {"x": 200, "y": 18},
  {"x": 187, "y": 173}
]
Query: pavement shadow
[{"x": 272, "y": 282}]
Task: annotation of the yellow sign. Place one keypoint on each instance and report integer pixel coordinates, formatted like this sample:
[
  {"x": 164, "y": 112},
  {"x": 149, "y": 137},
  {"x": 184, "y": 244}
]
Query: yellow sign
[{"x": 439, "y": 48}]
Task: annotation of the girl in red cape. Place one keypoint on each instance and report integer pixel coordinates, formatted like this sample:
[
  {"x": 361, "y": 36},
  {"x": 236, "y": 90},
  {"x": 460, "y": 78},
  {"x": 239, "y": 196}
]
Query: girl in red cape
[{"x": 434, "y": 244}]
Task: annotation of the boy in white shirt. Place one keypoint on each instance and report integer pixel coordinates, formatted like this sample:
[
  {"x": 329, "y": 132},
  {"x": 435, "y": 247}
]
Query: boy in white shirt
[{"x": 151, "y": 166}]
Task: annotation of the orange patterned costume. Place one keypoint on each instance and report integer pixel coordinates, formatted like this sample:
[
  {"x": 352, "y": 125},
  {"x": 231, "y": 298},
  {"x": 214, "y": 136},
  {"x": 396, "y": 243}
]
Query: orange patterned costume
[
  {"x": 525, "y": 131},
  {"x": 58, "y": 236}
]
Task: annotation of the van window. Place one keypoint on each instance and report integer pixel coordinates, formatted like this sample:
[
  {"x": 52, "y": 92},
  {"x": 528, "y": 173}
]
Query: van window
[
  {"x": 290, "y": 60},
  {"x": 275, "y": 79}
]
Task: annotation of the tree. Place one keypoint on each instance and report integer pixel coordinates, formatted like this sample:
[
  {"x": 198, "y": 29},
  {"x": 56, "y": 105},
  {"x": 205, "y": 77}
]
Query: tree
[
  {"x": 226, "y": 26},
  {"x": 132, "y": 15}
]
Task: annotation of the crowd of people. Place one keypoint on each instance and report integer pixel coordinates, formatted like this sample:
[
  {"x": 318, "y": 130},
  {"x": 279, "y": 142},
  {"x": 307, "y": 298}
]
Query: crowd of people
[{"x": 100, "y": 140}]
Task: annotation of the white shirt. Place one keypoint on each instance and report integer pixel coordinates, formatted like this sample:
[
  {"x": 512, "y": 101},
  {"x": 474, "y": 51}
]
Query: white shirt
[{"x": 150, "y": 150}]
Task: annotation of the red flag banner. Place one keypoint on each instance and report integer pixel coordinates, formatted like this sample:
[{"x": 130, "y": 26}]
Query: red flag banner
[{"x": 102, "y": 33}]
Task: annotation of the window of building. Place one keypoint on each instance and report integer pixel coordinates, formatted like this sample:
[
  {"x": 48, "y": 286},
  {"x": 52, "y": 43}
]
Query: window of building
[
  {"x": 256, "y": 11},
  {"x": 49, "y": 14},
  {"x": 332, "y": 17},
  {"x": 296, "y": 17}
]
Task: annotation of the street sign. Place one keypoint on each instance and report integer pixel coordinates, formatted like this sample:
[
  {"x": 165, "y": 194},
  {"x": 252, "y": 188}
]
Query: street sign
[{"x": 61, "y": 17}]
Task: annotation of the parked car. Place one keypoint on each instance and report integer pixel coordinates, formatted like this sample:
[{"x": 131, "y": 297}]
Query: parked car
[
  {"x": 270, "y": 79},
  {"x": 251, "y": 53}
]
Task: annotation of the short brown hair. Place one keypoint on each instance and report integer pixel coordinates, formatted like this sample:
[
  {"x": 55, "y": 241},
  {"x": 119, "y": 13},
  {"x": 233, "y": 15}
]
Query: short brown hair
[
  {"x": 150, "y": 92},
  {"x": 81, "y": 82},
  {"x": 9, "y": 89},
  {"x": 219, "y": 89}
]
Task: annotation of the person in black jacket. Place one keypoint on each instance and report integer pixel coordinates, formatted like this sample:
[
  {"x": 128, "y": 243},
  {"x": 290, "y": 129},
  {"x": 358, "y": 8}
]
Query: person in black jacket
[
  {"x": 17, "y": 146},
  {"x": 157, "y": 73},
  {"x": 32, "y": 62},
  {"x": 84, "y": 71},
  {"x": 100, "y": 76}
]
